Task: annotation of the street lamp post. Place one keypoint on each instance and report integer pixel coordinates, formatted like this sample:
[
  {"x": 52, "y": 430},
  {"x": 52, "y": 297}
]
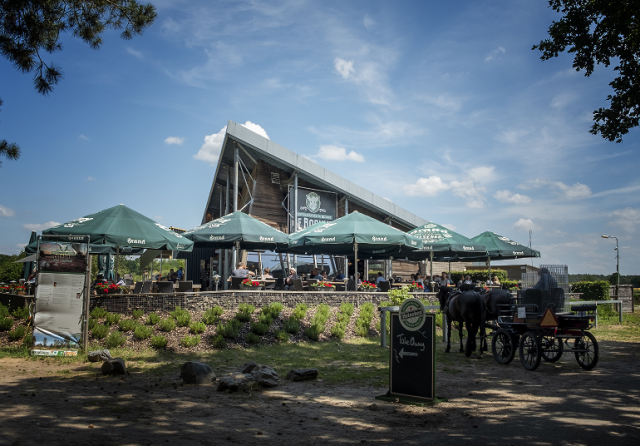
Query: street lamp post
[{"x": 617, "y": 265}]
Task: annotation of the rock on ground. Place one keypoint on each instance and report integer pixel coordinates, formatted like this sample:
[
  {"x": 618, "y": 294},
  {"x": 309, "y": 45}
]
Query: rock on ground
[
  {"x": 196, "y": 373},
  {"x": 302, "y": 374},
  {"x": 114, "y": 367},
  {"x": 265, "y": 376},
  {"x": 99, "y": 355},
  {"x": 248, "y": 367},
  {"x": 236, "y": 382}
]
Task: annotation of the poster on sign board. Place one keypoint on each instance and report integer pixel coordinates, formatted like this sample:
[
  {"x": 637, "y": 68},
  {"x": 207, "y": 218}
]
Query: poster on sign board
[{"x": 314, "y": 206}]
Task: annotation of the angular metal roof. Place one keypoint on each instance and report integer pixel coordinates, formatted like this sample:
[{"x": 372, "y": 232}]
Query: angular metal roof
[{"x": 254, "y": 147}]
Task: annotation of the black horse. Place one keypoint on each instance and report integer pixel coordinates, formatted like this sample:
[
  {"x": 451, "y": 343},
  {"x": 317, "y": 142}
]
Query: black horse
[
  {"x": 462, "y": 307},
  {"x": 494, "y": 300}
]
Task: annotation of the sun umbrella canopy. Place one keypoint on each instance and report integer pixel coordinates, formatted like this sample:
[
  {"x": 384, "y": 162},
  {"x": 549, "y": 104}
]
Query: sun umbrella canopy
[
  {"x": 374, "y": 238},
  {"x": 122, "y": 226},
  {"x": 444, "y": 243},
  {"x": 224, "y": 232},
  {"x": 499, "y": 247}
]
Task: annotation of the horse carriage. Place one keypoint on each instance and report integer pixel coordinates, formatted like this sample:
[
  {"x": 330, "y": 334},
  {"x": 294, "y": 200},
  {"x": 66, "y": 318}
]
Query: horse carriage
[{"x": 539, "y": 323}]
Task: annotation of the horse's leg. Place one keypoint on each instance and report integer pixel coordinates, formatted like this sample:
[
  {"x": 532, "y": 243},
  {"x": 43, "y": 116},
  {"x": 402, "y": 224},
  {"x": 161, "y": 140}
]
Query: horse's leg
[
  {"x": 460, "y": 327},
  {"x": 472, "y": 331},
  {"x": 448, "y": 328}
]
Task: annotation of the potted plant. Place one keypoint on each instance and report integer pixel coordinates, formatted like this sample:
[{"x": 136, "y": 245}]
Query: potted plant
[
  {"x": 20, "y": 290},
  {"x": 251, "y": 285},
  {"x": 322, "y": 286},
  {"x": 108, "y": 288},
  {"x": 368, "y": 286},
  {"x": 415, "y": 287}
]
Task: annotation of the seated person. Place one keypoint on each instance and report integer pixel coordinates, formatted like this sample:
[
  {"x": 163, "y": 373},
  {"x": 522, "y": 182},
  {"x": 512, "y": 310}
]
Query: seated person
[
  {"x": 266, "y": 274},
  {"x": 324, "y": 276},
  {"x": 119, "y": 280},
  {"x": 170, "y": 275},
  {"x": 467, "y": 280},
  {"x": 288, "y": 282},
  {"x": 380, "y": 278},
  {"x": 314, "y": 274},
  {"x": 340, "y": 276},
  {"x": 241, "y": 271},
  {"x": 180, "y": 274},
  {"x": 444, "y": 280}
]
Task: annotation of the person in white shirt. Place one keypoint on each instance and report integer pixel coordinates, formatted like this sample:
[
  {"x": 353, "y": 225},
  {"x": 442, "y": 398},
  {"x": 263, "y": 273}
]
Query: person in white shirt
[
  {"x": 444, "y": 280},
  {"x": 467, "y": 280}
]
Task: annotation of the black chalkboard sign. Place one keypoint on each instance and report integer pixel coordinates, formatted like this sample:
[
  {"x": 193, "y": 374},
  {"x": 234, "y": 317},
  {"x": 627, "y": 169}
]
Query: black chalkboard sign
[{"x": 412, "y": 366}]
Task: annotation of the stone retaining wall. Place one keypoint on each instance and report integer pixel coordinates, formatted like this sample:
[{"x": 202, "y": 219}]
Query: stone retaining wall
[{"x": 126, "y": 303}]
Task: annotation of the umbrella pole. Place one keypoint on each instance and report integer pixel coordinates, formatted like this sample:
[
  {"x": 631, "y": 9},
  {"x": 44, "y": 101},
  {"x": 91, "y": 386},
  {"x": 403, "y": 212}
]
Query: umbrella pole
[
  {"x": 282, "y": 266},
  {"x": 234, "y": 261},
  {"x": 355, "y": 263},
  {"x": 117, "y": 262},
  {"x": 260, "y": 263},
  {"x": 315, "y": 261},
  {"x": 489, "y": 265},
  {"x": 431, "y": 264}
]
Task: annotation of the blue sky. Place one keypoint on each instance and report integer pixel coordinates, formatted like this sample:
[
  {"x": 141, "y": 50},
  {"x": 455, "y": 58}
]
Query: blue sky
[{"x": 441, "y": 107}]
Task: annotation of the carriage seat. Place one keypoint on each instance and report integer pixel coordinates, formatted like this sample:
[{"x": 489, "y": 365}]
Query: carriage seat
[{"x": 583, "y": 308}]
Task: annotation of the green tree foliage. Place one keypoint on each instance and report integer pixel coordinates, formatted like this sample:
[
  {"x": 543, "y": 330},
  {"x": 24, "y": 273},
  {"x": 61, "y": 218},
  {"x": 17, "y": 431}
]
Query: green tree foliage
[
  {"x": 602, "y": 32},
  {"x": 9, "y": 270},
  {"x": 30, "y": 28}
]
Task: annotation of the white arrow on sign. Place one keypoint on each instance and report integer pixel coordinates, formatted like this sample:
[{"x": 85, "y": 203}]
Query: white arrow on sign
[{"x": 403, "y": 353}]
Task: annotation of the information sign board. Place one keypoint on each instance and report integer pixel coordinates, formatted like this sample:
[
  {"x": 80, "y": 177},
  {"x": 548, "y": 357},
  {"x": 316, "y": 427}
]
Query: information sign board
[
  {"x": 412, "y": 365},
  {"x": 314, "y": 206}
]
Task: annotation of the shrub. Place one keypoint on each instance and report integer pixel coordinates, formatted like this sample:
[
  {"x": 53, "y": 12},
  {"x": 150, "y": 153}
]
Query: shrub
[
  {"x": 28, "y": 340},
  {"x": 179, "y": 312},
  {"x": 266, "y": 319},
  {"x": 212, "y": 315},
  {"x": 190, "y": 341},
  {"x": 18, "y": 333},
  {"x": 259, "y": 328},
  {"x": 598, "y": 290},
  {"x": 21, "y": 313},
  {"x": 184, "y": 320},
  {"x": 252, "y": 338},
  {"x": 274, "y": 309},
  {"x": 92, "y": 323},
  {"x": 167, "y": 324},
  {"x": 346, "y": 309},
  {"x": 244, "y": 312},
  {"x": 111, "y": 319},
  {"x": 230, "y": 329},
  {"x": 159, "y": 341},
  {"x": 281, "y": 336},
  {"x": 6, "y": 324},
  {"x": 143, "y": 332},
  {"x": 98, "y": 313},
  {"x": 318, "y": 322},
  {"x": 218, "y": 341},
  {"x": 479, "y": 275},
  {"x": 323, "y": 312},
  {"x": 338, "y": 331},
  {"x": 398, "y": 295},
  {"x": 363, "y": 323},
  {"x": 153, "y": 319},
  {"x": 300, "y": 311},
  {"x": 137, "y": 314},
  {"x": 127, "y": 324},
  {"x": 198, "y": 327},
  {"x": 100, "y": 331},
  {"x": 291, "y": 325},
  {"x": 313, "y": 331},
  {"x": 115, "y": 339},
  {"x": 4, "y": 311}
]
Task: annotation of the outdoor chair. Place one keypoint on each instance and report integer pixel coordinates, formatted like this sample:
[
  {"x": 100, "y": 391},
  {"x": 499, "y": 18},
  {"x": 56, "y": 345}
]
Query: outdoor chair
[
  {"x": 128, "y": 282},
  {"x": 138, "y": 288},
  {"x": 146, "y": 287},
  {"x": 165, "y": 288},
  {"x": 270, "y": 285},
  {"x": 297, "y": 285},
  {"x": 351, "y": 285},
  {"x": 235, "y": 283},
  {"x": 186, "y": 286},
  {"x": 384, "y": 286},
  {"x": 311, "y": 282},
  {"x": 279, "y": 284}
]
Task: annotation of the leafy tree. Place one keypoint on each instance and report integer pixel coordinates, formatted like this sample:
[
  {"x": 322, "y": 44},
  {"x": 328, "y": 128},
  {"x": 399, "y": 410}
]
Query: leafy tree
[
  {"x": 602, "y": 32},
  {"x": 29, "y": 28},
  {"x": 9, "y": 270}
]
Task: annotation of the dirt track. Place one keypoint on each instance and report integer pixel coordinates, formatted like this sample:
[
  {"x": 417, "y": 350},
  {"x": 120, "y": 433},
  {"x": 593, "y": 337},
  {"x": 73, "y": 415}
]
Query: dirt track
[{"x": 488, "y": 404}]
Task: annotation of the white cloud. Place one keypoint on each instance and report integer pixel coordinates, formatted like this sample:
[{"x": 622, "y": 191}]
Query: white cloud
[
  {"x": 368, "y": 22},
  {"x": 426, "y": 187},
  {"x": 344, "y": 67},
  {"x": 91, "y": 178},
  {"x": 174, "y": 140},
  {"x": 504, "y": 196},
  {"x": 84, "y": 138},
  {"x": 335, "y": 153},
  {"x": 135, "y": 53},
  {"x": 210, "y": 150},
  {"x": 524, "y": 224},
  {"x": 40, "y": 226},
  {"x": 574, "y": 192},
  {"x": 628, "y": 219},
  {"x": 6, "y": 212},
  {"x": 494, "y": 54}
]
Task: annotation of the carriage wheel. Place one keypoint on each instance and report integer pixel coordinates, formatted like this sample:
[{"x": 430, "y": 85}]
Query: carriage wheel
[
  {"x": 530, "y": 351},
  {"x": 551, "y": 348},
  {"x": 503, "y": 346},
  {"x": 589, "y": 358}
]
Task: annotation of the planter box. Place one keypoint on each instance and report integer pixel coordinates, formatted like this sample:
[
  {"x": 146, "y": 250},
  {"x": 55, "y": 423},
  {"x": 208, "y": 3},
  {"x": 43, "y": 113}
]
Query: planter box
[{"x": 250, "y": 288}]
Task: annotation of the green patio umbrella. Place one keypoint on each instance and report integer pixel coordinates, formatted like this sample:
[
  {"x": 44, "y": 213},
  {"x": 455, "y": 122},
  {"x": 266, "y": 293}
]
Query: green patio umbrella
[
  {"x": 120, "y": 226},
  {"x": 28, "y": 266},
  {"x": 442, "y": 244},
  {"x": 501, "y": 248},
  {"x": 355, "y": 233},
  {"x": 237, "y": 230}
]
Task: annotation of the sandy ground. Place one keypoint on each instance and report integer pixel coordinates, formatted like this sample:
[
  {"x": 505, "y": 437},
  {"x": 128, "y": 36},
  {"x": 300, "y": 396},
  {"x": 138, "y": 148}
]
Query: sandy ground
[{"x": 52, "y": 404}]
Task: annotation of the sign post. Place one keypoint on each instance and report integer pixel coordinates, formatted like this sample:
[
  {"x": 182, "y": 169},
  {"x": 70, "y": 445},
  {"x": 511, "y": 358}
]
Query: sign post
[{"x": 412, "y": 359}]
